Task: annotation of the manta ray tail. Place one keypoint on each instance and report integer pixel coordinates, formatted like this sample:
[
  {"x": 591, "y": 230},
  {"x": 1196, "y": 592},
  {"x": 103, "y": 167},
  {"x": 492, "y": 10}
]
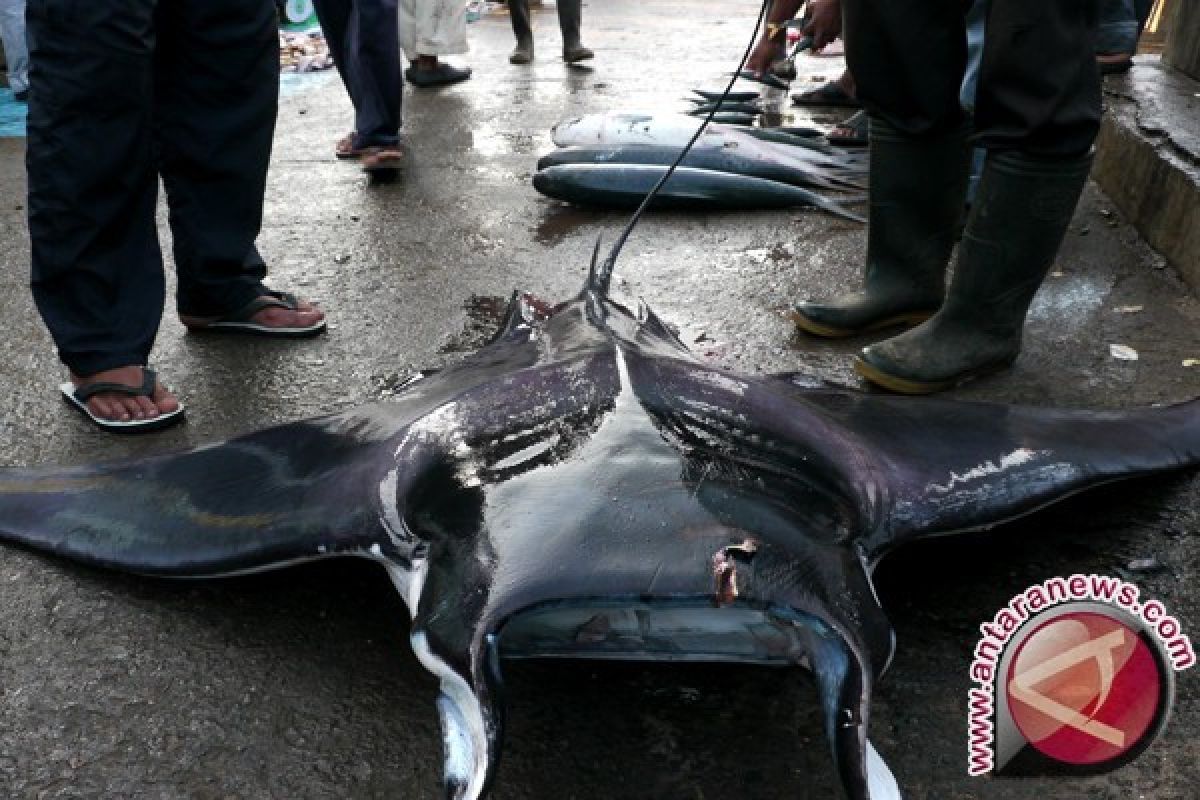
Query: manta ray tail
[{"x": 265, "y": 500}]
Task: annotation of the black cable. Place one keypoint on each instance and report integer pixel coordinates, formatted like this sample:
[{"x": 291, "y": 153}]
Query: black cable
[{"x": 602, "y": 277}]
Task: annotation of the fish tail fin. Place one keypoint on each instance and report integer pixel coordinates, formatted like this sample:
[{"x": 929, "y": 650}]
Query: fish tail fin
[{"x": 262, "y": 501}]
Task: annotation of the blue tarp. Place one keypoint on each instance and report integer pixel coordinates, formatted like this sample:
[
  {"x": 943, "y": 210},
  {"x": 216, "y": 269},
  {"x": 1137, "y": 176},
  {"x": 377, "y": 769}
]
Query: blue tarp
[{"x": 12, "y": 114}]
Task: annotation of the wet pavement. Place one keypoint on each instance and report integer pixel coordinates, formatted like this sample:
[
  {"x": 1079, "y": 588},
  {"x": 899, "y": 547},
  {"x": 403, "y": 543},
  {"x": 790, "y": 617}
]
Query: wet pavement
[{"x": 300, "y": 684}]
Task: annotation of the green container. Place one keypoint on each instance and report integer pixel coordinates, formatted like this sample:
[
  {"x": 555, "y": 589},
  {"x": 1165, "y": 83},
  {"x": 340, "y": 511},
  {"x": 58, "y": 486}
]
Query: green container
[{"x": 299, "y": 17}]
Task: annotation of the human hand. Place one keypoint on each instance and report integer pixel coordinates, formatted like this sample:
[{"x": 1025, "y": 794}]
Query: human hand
[{"x": 824, "y": 22}]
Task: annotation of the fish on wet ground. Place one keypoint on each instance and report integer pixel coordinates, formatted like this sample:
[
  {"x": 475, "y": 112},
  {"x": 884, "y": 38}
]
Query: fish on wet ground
[
  {"x": 586, "y": 487},
  {"x": 626, "y": 185},
  {"x": 755, "y": 162}
]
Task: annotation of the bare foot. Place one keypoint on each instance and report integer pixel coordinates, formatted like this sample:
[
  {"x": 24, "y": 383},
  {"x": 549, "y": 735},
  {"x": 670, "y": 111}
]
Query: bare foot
[{"x": 122, "y": 407}]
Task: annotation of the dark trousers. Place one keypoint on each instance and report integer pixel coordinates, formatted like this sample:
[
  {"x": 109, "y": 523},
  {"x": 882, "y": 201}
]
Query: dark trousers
[
  {"x": 365, "y": 45},
  {"x": 124, "y": 92},
  {"x": 1039, "y": 89}
]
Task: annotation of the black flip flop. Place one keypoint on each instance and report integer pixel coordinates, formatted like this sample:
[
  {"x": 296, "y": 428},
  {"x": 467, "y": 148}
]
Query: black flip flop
[
  {"x": 77, "y": 399},
  {"x": 240, "y": 321},
  {"x": 830, "y": 94}
]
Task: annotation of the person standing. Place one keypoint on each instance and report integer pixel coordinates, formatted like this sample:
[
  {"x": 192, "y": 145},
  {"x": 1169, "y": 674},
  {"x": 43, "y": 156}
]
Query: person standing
[
  {"x": 1037, "y": 112},
  {"x": 16, "y": 55},
  {"x": 121, "y": 94},
  {"x": 570, "y": 17},
  {"x": 363, "y": 39},
  {"x": 432, "y": 28}
]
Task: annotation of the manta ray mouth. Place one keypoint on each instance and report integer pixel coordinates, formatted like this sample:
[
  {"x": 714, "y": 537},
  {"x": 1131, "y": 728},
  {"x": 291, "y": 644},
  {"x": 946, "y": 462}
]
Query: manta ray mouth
[
  {"x": 687, "y": 630},
  {"x": 678, "y": 630}
]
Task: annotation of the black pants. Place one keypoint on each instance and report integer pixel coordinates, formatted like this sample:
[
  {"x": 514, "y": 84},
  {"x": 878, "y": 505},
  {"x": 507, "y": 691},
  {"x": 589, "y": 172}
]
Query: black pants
[
  {"x": 365, "y": 45},
  {"x": 124, "y": 92},
  {"x": 1039, "y": 88}
]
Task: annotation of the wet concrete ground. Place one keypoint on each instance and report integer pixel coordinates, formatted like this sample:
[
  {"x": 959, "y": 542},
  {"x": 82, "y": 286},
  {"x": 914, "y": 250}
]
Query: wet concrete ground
[{"x": 300, "y": 684}]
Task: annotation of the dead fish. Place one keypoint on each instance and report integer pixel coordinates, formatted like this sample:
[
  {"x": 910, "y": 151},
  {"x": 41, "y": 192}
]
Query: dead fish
[
  {"x": 626, "y": 185},
  {"x": 754, "y": 162},
  {"x": 734, "y": 119},
  {"x": 729, "y": 108},
  {"x": 633, "y": 127},
  {"x": 710, "y": 96},
  {"x": 585, "y": 487}
]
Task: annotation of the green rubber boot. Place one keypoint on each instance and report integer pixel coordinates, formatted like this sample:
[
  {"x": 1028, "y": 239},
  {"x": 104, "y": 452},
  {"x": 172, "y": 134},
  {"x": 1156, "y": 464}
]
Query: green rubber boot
[
  {"x": 917, "y": 190},
  {"x": 1012, "y": 236}
]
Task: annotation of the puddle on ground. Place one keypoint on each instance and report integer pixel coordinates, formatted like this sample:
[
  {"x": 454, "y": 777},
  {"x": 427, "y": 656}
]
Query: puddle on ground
[
  {"x": 484, "y": 315},
  {"x": 558, "y": 222}
]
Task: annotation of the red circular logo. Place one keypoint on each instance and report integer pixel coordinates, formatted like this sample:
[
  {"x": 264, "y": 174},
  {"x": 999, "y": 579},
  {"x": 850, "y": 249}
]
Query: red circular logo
[{"x": 1084, "y": 688}]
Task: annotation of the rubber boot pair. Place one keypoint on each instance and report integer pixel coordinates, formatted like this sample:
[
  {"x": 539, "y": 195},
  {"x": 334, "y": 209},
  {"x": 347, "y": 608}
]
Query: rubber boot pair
[
  {"x": 570, "y": 16},
  {"x": 1012, "y": 235}
]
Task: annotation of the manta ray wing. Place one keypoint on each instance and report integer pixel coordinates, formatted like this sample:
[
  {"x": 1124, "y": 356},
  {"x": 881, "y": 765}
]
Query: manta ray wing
[{"x": 948, "y": 466}]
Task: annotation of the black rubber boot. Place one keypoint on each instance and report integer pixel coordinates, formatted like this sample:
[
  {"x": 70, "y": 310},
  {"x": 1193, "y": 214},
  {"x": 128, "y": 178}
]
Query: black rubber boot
[
  {"x": 1012, "y": 236},
  {"x": 917, "y": 187},
  {"x": 570, "y": 17},
  {"x": 518, "y": 10}
]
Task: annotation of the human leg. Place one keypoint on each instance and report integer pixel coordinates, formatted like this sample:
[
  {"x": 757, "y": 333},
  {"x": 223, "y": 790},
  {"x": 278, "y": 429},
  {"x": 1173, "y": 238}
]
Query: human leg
[
  {"x": 1117, "y": 32},
  {"x": 214, "y": 154},
  {"x": 918, "y": 168},
  {"x": 96, "y": 274},
  {"x": 518, "y": 12},
  {"x": 363, "y": 39},
  {"x": 16, "y": 54},
  {"x": 1037, "y": 112},
  {"x": 570, "y": 18},
  {"x": 439, "y": 27},
  {"x": 916, "y": 194}
]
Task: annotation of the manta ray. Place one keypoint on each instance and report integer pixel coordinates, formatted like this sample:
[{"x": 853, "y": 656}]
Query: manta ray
[{"x": 583, "y": 486}]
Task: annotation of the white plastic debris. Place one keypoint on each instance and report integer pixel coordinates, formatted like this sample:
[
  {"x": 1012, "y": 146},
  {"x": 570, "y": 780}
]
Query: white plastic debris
[
  {"x": 1128, "y": 309},
  {"x": 1122, "y": 352}
]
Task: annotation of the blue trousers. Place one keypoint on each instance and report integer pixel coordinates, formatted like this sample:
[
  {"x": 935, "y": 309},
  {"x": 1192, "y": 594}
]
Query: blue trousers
[
  {"x": 364, "y": 41},
  {"x": 123, "y": 93}
]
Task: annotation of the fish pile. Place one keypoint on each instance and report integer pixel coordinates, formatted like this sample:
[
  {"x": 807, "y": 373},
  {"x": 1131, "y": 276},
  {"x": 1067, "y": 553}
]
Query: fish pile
[
  {"x": 303, "y": 52},
  {"x": 611, "y": 160}
]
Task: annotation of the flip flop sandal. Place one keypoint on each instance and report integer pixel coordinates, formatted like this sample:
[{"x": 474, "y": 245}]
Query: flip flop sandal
[
  {"x": 345, "y": 148},
  {"x": 240, "y": 321},
  {"x": 828, "y": 95},
  {"x": 857, "y": 124},
  {"x": 77, "y": 399},
  {"x": 441, "y": 75},
  {"x": 385, "y": 158}
]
